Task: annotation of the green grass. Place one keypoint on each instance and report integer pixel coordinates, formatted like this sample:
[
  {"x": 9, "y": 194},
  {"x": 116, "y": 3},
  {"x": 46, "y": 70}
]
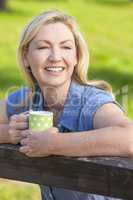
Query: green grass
[
  {"x": 14, "y": 190},
  {"x": 107, "y": 27}
]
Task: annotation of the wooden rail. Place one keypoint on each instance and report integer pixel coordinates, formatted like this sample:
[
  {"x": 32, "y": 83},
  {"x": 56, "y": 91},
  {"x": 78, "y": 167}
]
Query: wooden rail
[{"x": 110, "y": 176}]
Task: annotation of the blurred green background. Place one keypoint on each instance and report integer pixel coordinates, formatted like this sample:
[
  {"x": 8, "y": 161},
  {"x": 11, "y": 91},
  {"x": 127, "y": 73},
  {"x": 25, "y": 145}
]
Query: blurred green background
[{"x": 108, "y": 28}]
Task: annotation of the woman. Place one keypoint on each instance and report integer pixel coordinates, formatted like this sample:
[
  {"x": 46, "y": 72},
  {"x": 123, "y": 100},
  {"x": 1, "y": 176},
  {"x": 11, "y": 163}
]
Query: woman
[{"x": 54, "y": 57}]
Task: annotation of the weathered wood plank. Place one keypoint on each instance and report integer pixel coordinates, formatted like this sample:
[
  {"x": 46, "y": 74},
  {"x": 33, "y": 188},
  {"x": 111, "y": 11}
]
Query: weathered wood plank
[{"x": 110, "y": 176}]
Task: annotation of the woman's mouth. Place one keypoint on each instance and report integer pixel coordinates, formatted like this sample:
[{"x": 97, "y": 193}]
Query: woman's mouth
[{"x": 54, "y": 69}]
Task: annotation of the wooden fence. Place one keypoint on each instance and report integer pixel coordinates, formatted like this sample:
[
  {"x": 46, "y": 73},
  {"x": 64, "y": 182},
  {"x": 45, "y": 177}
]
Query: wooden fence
[{"x": 110, "y": 176}]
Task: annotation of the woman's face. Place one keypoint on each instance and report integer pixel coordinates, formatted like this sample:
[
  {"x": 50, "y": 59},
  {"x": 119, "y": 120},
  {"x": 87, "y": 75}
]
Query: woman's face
[{"x": 52, "y": 55}]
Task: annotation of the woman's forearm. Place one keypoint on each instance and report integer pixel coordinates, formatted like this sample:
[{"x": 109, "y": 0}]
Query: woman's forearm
[
  {"x": 4, "y": 134},
  {"x": 117, "y": 141}
]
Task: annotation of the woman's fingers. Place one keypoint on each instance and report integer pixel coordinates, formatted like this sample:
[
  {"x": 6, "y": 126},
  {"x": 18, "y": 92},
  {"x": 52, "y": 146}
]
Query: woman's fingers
[
  {"x": 24, "y": 149},
  {"x": 16, "y": 132},
  {"x": 54, "y": 130},
  {"x": 25, "y": 133},
  {"x": 24, "y": 141},
  {"x": 22, "y": 117},
  {"x": 19, "y": 122},
  {"x": 18, "y": 125}
]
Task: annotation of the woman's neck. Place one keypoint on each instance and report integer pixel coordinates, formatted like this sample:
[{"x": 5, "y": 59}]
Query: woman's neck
[{"x": 55, "y": 96}]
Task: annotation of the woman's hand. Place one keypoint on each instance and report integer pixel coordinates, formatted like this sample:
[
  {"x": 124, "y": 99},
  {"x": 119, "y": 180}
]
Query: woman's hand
[
  {"x": 38, "y": 144},
  {"x": 16, "y": 125}
]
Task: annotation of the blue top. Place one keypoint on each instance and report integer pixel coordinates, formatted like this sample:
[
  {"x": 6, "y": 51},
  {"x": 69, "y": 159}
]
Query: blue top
[{"x": 80, "y": 106}]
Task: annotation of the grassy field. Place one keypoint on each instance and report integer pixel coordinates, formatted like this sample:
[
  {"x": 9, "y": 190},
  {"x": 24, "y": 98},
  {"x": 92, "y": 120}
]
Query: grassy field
[
  {"x": 107, "y": 27},
  {"x": 14, "y": 190}
]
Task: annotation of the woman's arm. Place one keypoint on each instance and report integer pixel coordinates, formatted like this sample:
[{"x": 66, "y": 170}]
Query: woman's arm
[
  {"x": 4, "y": 123},
  {"x": 113, "y": 135}
]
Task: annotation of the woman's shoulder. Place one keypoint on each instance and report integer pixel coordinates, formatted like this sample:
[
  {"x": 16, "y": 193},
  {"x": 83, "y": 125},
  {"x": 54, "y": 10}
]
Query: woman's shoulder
[
  {"x": 92, "y": 92},
  {"x": 97, "y": 96}
]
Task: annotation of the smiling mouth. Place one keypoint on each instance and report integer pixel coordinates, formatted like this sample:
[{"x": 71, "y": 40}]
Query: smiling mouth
[{"x": 54, "y": 69}]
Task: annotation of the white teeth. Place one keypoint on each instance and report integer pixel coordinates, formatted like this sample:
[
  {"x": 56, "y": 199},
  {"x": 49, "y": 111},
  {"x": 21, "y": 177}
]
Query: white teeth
[{"x": 54, "y": 69}]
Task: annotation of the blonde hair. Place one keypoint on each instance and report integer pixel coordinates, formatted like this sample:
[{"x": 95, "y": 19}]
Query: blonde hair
[{"x": 81, "y": 69}]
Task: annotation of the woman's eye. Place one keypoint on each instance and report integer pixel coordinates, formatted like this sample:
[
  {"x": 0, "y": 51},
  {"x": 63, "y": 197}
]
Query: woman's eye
[
  {"x": 43, "y": 47},
  {"x": 67, "y": 47}
]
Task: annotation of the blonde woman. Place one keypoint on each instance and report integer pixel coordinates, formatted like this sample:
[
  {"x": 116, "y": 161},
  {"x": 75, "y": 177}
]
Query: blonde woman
[{"x": 87, "y": 120}]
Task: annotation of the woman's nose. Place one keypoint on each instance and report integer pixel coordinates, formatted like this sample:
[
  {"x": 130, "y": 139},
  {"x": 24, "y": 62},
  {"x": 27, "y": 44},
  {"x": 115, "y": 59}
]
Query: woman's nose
[{"x": 55, "y": 55}]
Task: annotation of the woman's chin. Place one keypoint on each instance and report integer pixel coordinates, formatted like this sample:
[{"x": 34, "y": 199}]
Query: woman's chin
[{"x": 54, "y": 83}]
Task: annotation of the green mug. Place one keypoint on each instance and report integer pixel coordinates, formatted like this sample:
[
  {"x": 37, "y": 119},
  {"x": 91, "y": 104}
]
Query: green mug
[{"x": 40, "y": 120}]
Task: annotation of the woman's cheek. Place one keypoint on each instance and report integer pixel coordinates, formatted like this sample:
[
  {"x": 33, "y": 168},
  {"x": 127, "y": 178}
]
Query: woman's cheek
[{"x": 71, "y": 56}]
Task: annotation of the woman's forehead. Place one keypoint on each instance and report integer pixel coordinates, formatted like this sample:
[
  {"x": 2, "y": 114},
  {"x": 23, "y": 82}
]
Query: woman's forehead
[{"x": 54, "y": 31}]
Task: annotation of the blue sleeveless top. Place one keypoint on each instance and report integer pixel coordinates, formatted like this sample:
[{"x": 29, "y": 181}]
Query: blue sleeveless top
[{"x": 81, "y": 104}]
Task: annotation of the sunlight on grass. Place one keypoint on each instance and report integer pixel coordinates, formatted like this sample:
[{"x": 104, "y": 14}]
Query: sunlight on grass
[{"x": 15, "y": 190}]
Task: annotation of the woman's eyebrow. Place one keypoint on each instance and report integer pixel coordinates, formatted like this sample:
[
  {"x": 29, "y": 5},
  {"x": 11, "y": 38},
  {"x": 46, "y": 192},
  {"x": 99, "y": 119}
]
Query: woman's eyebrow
[
  {"x": 62, "y": 42},
  {"x": 48, "y": 42}
]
